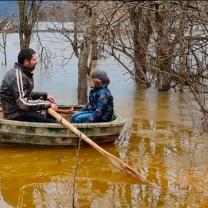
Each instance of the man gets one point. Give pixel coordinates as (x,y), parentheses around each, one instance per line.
(17,99)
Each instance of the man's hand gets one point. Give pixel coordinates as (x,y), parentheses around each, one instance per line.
(53,102)
(54,106)
(51,99)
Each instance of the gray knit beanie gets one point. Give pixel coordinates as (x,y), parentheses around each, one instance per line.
(102,75)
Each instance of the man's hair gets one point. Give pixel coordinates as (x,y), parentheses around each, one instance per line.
(25,53)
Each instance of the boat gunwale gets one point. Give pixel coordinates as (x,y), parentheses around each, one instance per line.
(119,121)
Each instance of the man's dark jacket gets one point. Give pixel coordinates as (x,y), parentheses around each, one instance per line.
(16,93)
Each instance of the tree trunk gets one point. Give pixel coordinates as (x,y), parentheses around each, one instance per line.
(94,46)
(163,52)
(94,52)
(28,16)
(163,63)
(25,39)
(166,42)
(82,73)
(141,36)
(83,61)
(4,37)
(75,20)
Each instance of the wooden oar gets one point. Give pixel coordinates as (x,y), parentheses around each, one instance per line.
(114,160)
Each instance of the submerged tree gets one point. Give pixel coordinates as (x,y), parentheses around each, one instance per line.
(82,17)
(159,43)
(156,42)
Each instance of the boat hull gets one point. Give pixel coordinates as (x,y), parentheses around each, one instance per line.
(16,132)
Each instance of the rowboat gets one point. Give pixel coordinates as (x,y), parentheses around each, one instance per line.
(54,134)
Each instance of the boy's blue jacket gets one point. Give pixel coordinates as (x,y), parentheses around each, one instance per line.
(100,104)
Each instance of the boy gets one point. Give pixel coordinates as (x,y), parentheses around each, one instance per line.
(100,105)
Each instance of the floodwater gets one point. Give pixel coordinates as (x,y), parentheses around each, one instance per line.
(162,140)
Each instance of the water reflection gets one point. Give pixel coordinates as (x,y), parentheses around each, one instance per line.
(176,161)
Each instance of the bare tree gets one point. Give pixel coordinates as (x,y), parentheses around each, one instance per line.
(94,56)
(142,31)
(124,33)
(28,16)
(156,42)
(81,44)
(3,44)
(169,30)
(83,68)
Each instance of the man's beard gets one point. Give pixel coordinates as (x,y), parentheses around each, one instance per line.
(32,67)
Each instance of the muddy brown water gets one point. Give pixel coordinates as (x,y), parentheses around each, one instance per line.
(162,140)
